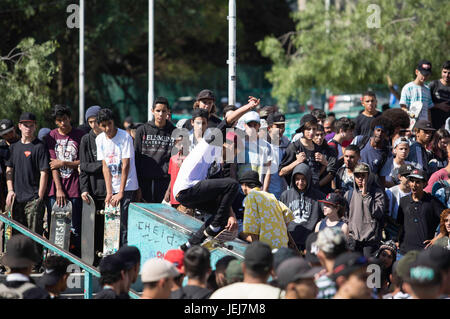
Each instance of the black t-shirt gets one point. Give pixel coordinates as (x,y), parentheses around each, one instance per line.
(28,160)
(191,292)
(106,294)
(362,124)
(439,92)
(419,220)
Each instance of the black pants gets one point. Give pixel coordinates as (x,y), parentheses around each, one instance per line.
(367,248)
(153,190)
(214,196)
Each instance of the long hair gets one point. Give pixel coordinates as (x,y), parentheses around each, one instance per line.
(213,107)
(444,215)
(438,135)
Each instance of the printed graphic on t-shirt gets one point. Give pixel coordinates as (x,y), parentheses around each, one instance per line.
(115,165)
(66,150)
(301,210)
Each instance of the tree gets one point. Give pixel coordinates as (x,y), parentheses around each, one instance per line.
(350,48)
(25,76)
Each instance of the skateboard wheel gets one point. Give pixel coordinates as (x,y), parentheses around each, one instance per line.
(100,254)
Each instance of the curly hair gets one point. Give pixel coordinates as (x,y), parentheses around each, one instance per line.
(398,117)
(444,215)
(385,122)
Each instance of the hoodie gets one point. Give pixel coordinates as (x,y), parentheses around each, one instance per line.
(304,205)
(153,147)
(366,214)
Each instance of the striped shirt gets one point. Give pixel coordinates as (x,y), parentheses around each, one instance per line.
(327,287)
(412,92)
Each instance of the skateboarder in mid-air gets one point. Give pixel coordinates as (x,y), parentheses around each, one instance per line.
(199,185)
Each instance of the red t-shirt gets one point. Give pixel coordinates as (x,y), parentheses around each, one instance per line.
(174,167)
(441,174)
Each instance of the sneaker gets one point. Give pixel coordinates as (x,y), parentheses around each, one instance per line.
(211,233)
(184,247)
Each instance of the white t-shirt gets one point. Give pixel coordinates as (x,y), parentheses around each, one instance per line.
(242,290)
(112,151)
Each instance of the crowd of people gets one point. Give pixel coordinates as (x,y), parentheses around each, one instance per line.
(316,208)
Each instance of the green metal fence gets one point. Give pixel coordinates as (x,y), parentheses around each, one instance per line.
(89,270)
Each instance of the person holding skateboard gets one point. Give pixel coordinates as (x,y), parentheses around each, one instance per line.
(199,185)
(63,144)
(115,150)
(27,186)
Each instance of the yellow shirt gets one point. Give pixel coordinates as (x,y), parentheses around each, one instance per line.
(267,217)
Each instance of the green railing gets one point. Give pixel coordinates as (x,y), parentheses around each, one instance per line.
(89,270)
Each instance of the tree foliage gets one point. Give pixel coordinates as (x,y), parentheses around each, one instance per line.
(25,76)
(339,49)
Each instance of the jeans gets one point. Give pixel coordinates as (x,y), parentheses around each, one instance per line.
(214,196)
(128,197)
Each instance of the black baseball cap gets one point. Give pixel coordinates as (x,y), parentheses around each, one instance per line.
(258,256)
(423,274)
(276,118)
(305,119)
(424,66)
(347,263)
(405,169)
(311,248)
(21,252)
(205,94)
(6,126)
(250,177)
(424,125)
(27,117)
(334,199)
(418,173)
(293,269)
(130,255)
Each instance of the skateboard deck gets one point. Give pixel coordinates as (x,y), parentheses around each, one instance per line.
(7,230)
(112,230)
(220,239)
(60,225)
(414,112)
(88,231)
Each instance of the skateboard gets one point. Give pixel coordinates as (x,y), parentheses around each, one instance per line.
(414,111)
(220,239)
(88,231)
(112,230)
(60,225)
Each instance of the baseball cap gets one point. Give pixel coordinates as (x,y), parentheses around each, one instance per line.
(205,94)
(418,173)
(305,119)
(347,263)
(258,256)
(111,264)
(424,66)
(276,118)
(311,248)
(55,268)
(331,240)
(6,126)
(281,254)
(27,117)
(436,256)
(176,257)
(424,125)
(155,269)
(130,255)
(334,199)
(401,140)
(251,116)
(293,269)
(405,263)
(361,168)
(234,271)
(21,252)
(405,169)
(424,274)
(250,177)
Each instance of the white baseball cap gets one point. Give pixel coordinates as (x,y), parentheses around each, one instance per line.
(156,268)
(251,116)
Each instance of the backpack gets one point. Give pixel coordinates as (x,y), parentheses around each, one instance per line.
(441,190)
(15,293)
